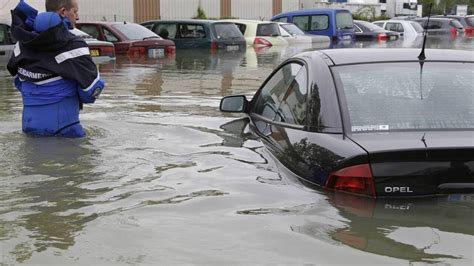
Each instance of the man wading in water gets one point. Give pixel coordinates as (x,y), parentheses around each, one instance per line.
(52,69)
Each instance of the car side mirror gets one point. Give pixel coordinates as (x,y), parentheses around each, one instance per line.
(234,104)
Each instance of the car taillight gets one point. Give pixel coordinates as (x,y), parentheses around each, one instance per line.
(109,51)
(261,42)
(355,179)
(170,49)
(382,37)
(213,46)
(453,31)
(135,51)
(468,30)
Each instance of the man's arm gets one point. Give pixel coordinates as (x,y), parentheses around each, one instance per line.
(76,64)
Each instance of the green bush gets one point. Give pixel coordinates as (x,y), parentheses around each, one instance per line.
(200,14)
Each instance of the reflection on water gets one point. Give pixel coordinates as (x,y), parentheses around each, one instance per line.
(163,176)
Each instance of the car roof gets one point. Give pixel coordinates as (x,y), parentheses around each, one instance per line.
(372,55)
(202,21)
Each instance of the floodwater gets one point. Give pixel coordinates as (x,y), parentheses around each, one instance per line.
(164,177)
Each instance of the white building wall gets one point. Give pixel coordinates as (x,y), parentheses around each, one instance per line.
(290,5)
(252,9)
(105,10)
(7,5)
(185,9)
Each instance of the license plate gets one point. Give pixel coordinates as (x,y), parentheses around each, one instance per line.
(232,47)
(393,38)
(156,52)
(94,52)
(461,197)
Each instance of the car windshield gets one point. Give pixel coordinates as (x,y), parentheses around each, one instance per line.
(344,20)
(418,28)
(292,29)
(393,96)
(134,31)
(268,29)
(227,31)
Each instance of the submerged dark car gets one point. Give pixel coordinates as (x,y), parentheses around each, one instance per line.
(196,33)
(366,31)
(372,122)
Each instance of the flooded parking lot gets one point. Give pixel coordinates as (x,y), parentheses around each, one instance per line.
(163,176)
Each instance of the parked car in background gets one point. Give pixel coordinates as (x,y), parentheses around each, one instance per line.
(6,43)
(259,33)
(366,31)
(98,49)
(406,28)
(193,33)
(329,121)
(129,38)
(466,21)
(336,23)
(442,26)
(293,34)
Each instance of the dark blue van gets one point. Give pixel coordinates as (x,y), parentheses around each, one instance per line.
(335,23)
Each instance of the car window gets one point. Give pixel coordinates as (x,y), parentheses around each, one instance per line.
(320,22)
(148,26)
(268,29)
(273,92)
(90,30)
(282,19)
(418,28)
(191,31)
(439,98)
(393,26)
(356,28)
(456,24)
(344,20)
(134,31)
(301,22)
(109,36)
(166,30)
(242,27)
(226,30)
(292,108)
(3,34)
(470,21)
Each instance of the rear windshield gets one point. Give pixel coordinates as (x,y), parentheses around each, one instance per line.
(470,21)
(456,24)
(393,96)
(292,29)
(270,29)
(227,31)
(418,28)
(344,20)
(134,31)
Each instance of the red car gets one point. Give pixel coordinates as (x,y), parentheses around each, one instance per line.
(129,38)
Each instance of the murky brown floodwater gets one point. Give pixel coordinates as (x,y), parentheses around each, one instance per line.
(159,180)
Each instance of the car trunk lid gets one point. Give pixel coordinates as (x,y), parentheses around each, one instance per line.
(418,163)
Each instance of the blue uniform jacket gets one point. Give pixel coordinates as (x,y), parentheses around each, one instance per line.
(50,69)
